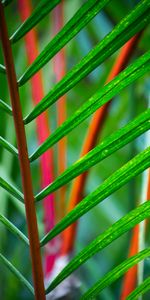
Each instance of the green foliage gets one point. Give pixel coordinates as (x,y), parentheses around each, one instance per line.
(113,232)
(130,25)
(43,8)
(109,145)
(113,275)
(6,2)
(11,189)
(13,229)
(77,22)
(140,290)
(138,164)
(8,146)
(114,138)
(5,107)
(2,69)
(126,77)
(19,276)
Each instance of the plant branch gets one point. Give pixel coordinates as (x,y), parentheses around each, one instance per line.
(24,162)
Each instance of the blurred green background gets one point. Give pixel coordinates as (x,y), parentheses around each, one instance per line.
(127,105)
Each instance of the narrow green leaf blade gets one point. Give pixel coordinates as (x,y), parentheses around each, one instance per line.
(126,77)
(107,237)
(140,290)
(42,9)
(13,229)
(6,2)
(19,276)
(11,189)
(134,167)
(4,106)
(2,69)
(8,146)
(109,145)
(82,17)
(116,273)
(129,26)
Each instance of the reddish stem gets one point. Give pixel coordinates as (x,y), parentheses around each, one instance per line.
(43,131)
(94,131)
(130,277)
(24,162)
(59,63)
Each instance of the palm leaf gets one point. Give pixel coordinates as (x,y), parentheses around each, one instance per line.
(134,167)
(140,290)
(2,69)
(112,233)
(11,189)
(12,228)
(8,146)
(109,145)
(42,9)
(19,276)
(133,23)
(6,2)
(5,107)
(126,77)
(77,22)
(116,273)
(129,26)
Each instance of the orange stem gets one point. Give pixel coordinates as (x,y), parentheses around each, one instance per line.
(59,63)
(130,277)
(43,131)
(94,130)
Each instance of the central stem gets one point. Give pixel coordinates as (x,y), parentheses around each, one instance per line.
(24,162)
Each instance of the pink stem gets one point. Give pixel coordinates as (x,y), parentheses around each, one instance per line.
(43,131)
(59,63)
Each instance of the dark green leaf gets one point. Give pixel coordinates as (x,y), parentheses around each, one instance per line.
(11,227)
(2,69)
(4,106)
(8,146)
(129,26)
(109,145)
(83,16)
(11,189)
(42,9)
(126,77)
(6,2)
(134,167)
(140,290)
(116,273)
(112,233)
(20,277)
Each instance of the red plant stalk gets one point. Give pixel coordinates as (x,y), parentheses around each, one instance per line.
(59,63)
(130,278)
(94,131)
(24,162)
(43,131)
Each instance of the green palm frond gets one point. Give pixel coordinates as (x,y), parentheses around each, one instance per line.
(135,21)
(140,290)
(19,276)
(117,272)
(113,232)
